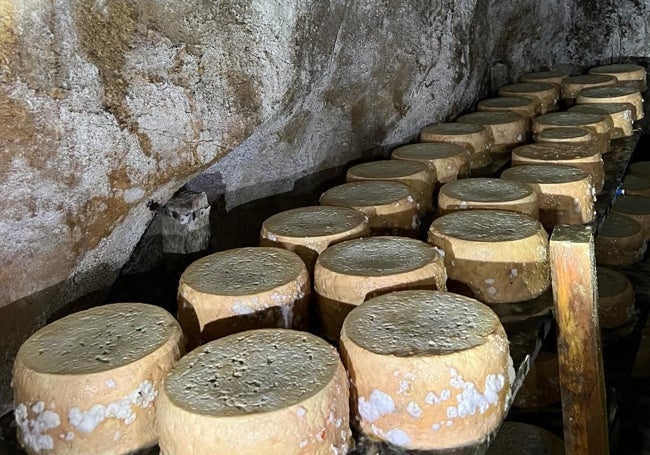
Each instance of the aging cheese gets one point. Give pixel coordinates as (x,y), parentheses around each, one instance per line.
(507,128)
(640,169)
(572,85)
(546,93)
(307,231)
(526,107)
(516,438)
(391,207)
(637,208)
(417,175)
(271,391)
(448,161)
(620,241)
(87,383)
(620,115)
(242,289)
(615,298)
(565,194)
(636,185)
(616,94)
(488,194)
(428,370)
(626,74)
(552,77)
(587,159)
(492,255)
(348,273)
(599,125)
(476,138)
(571,135)
(542,384)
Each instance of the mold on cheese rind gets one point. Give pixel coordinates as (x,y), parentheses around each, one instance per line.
(487,225)
(313,222)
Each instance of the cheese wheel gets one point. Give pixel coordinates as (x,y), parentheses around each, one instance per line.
(270,391)
(615,298)
(448,161)
(348,273)
(620,241)
(615,94)
(488,194)
(390,206)
(476,138)
(552,77)
(640,169)
(492,255)
(87,383)
(571,135)
(507,128)
(526,107)
(428,370)
(565,194)
(307,231)
(542,384)
(416,175)
(626,74)
(587,159)
(633,184)
(546,93)
(242,289)
(572,85)
(620,115)
(516,438)
(636,207)
(599,125)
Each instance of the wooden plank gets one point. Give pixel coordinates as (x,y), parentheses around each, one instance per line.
(573,273)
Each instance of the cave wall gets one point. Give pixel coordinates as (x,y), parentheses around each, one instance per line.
(109,105)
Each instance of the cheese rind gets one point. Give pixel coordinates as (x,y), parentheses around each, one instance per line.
(639,186)
(620,241)
(615,298)
(599,125)
(572,85)
(507,128)
(626,74)
(546,93)
(614,94)
(476,138)
(551,77)
(571,135)
(526,107)
(449,161)
(637,208)
(620,115)
(516,438)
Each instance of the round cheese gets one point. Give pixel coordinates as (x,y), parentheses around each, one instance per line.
(572,85)
(307,231)
(620,115)
(448,161)
(475,137)
(615,94)
(615,298)
(507,128)
(620,241)
(526,107)
(390,206)
(636,207)
(494,256)
(87,383)
(626,74)
(565,194)
(640,169)
(516,438)
(263,391)
(588,159)
(242,289)
(599,125)
(541,387)
(571,135)
(417,175)
(546,93)
(552,77)
(429,370)
(348,273)
(488,194)
(633,184)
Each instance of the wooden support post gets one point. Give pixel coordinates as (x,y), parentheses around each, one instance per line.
(573,273)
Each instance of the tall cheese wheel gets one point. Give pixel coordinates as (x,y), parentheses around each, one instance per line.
(271,391)
(637,208)
(552,77)
(633,184)
(417,175)
(391,207)
(350,272)
(507,128)
(542,384)
(546,93)
(624,95)
(572,85)
(489,194)
(492,255)
(565,194)
(615,298)
(449,161)
(526,107)
(576,135)
(516,438)
(620,115)
(626,74)
(476,138)
(242,289)
(588,159)
(307,231)
(640,169)
(88,382)
(429,370)
(599,125)
(620,241)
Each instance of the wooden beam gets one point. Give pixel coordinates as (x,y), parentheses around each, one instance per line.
(573,274)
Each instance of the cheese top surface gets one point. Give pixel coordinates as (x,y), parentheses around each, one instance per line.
(634,182)
(366,194)
(252,372)
(453,129)
(544,75)
(490,118)
(610,282)
(608,92)
(420,323)
(544,173)
(243,271)
(486,190)
(616,225)
(528,87)
(389,169)
(99,339)
(633,205)
(587,79)
(601,108)
(549,151)
(507,102)
(552,134)
(314,221)
(617,68)
(486,225)
(378,256)
(568,119)
(429,151)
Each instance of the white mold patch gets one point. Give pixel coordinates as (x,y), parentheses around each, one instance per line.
(33,430)
(415,222)
(271,237)
(240,308)
(491,290)
(301,411)
(462,205)
(513,273)
(471,400)
(303,443)
(379,404)
(431,398)
(435,426)
(110,384)
(414,410)
(490,281)
(410,199)
(398,437)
